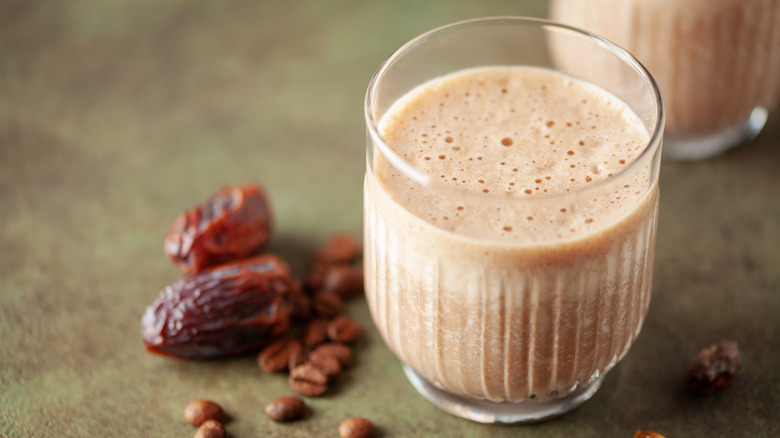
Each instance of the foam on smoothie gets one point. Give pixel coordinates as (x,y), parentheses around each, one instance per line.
(511,131)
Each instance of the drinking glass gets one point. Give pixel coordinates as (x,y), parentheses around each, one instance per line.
(717,63)
(522,328)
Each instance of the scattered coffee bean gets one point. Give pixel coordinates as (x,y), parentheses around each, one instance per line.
(316,332)
(198,411)
(357,428)
(327,304)
(341,248)
(301,310)
(647,434)
(340,351)
(276,356)
(316,276)
(342,329)
(714,367)
(328,364)
(286,408)
(298,356)
(308,380)
(211,429)
(343,280)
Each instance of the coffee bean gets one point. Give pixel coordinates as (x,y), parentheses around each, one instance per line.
(357,428)
(198,411)
(298,356)
(343,329)
(286,408)
(341,248)
(316,275)
(647,434)
(316,332)
(276,356)
(211,429)
(714,367)
(301,310)
(328,364)
(340,351)
(343,280)
(308,380)
(327,304)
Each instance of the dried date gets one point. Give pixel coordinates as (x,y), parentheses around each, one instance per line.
(714,367)
(233,223)
(224,310)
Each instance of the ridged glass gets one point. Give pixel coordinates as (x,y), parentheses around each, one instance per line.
(516,330)
(717,62)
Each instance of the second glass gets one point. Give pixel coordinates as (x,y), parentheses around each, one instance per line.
(717,63)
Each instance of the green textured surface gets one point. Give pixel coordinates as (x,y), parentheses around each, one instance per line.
(116,115)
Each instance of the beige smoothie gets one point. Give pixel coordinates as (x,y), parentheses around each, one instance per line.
(516,263)
(714,60)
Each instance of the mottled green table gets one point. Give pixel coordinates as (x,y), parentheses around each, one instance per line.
(115,116)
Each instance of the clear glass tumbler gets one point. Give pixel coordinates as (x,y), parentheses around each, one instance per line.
(717,63)
(515,323)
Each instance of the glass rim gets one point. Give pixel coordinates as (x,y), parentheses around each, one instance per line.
(428,181)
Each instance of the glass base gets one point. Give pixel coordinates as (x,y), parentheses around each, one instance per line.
(700,148)
(482,411)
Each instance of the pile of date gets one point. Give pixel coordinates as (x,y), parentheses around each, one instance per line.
(234,299)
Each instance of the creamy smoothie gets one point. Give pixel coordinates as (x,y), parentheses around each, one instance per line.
(715,60)
(516,263)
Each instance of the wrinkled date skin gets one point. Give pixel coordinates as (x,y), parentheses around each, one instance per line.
(714,367)
(233,223)
(228,309)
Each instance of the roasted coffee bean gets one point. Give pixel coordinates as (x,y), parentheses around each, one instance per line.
(211,429)
(342,329)
(227,309)
(327,305)
(647,434)
(316,275)
(308,380)
(714,367)
(276,356)
(286,408)
(302,307)
(343,280)
(357,428)
(316,332)
(327,363)
(198,411)
(341,352)
(298,356)
(341,248)
(232,224)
